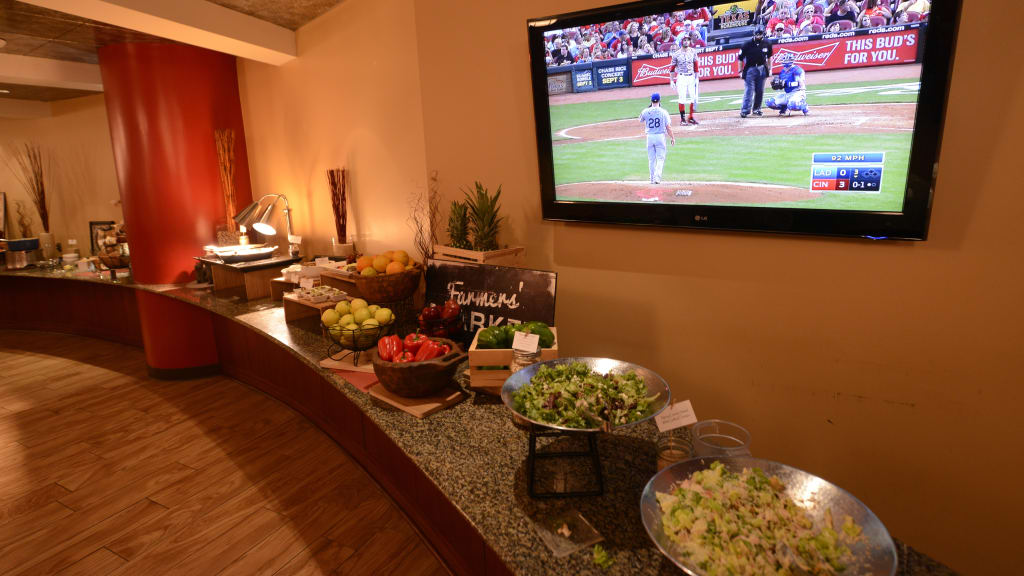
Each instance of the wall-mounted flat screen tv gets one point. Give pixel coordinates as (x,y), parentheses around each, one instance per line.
(803,116)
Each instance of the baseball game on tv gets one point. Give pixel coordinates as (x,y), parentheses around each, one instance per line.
(800,104)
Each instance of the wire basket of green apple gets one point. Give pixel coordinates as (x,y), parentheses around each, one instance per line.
(356,326)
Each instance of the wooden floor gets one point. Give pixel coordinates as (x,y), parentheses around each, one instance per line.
(105,471)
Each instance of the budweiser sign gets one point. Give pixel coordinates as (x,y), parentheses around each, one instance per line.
(817,56)
(647,71)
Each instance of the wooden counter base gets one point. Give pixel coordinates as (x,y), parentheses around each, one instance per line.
(109,312)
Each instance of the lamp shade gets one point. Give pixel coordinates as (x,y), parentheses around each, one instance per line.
(247,215)
(264,226)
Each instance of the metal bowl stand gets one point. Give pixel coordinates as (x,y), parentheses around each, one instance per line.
(536,432)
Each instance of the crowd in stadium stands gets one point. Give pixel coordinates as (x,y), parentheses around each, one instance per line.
(782,19)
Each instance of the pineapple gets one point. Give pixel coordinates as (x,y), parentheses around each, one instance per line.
(458,226)
(483,217)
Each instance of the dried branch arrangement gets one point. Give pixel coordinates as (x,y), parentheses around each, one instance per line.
(434,206)
(419,222)
(337,180)
(225,141)
(24,222)
(28,169)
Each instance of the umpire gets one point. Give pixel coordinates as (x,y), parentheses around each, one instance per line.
(755,54)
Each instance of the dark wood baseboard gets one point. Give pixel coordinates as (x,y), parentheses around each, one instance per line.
(190,373)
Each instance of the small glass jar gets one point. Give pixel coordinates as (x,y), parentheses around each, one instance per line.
(673,446)
(522,359)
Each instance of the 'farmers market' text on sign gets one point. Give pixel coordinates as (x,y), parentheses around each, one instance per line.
(493,295)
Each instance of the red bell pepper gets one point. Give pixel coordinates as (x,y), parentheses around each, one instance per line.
(445,349)
(414,341)
(429,351)
(405,356)
(389,348)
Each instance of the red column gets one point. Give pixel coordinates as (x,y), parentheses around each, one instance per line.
(164,102)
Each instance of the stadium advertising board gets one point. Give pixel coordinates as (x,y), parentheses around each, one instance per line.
(583,79)
(824,52)
(612,74)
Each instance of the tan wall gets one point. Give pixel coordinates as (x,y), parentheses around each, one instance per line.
(342,103)
(82,183)
(893,369)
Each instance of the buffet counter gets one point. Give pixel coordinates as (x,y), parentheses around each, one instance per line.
(459,474)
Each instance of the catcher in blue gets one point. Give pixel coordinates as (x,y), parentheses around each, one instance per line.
(794,89)
(657,123)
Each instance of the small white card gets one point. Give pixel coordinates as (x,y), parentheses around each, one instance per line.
(676,416)
(322,262)
(306,283)
(526,342)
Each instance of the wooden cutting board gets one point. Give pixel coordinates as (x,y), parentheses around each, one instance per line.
(419,407)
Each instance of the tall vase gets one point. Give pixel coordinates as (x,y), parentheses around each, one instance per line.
(47,246)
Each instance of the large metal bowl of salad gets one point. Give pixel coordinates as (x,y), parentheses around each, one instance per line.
(585,394)
(742,515)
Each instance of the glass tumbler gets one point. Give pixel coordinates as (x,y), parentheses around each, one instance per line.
(713,438)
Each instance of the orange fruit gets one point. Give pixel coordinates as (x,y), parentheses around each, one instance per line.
(390,254)
(395,268)
(363,262)
(381,263)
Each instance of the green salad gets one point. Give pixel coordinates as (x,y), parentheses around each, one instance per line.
(573,396)
(743,524)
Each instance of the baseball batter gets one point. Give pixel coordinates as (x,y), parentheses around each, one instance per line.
(794,95)
(683,74)
(657,123)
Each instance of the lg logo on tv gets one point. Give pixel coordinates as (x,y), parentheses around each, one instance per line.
(700,219)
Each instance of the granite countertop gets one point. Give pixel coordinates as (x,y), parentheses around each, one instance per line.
(476,457)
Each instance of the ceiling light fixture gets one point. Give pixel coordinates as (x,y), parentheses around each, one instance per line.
(4,91)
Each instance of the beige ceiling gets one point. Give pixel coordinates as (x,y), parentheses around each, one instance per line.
(291,14)
(39,32)
(40,93)
(33,31)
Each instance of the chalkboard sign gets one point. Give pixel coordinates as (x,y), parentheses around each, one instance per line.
(493,295)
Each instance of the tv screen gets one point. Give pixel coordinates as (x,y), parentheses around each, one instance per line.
(809,116)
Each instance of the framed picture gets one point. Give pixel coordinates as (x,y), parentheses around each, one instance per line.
(94,226)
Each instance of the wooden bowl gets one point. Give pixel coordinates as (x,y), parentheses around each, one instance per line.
(418,379)
(389,287)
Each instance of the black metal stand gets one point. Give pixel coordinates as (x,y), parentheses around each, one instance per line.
(591,452)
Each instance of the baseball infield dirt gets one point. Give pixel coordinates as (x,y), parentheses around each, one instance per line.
(683,192)
(847,119)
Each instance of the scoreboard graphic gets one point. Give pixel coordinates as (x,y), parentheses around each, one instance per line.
(847,172)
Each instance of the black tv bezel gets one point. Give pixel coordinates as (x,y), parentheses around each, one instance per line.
(910,224)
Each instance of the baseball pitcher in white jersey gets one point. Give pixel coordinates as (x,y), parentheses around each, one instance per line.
(683,74)
(656,123)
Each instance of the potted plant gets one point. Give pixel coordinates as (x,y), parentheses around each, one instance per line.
(473,227)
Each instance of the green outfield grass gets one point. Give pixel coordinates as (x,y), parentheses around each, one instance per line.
(782,160)
(567,115)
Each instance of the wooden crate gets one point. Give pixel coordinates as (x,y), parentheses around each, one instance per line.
(297,309)
(511,256)
(490,381)
(278,287)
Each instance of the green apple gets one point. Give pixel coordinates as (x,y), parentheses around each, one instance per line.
(369,271)
(352,327)
(346,320)
(373,308)
(357,304)
(330,317)
(361,315)
(370,323)
(342,308)
(384,316)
